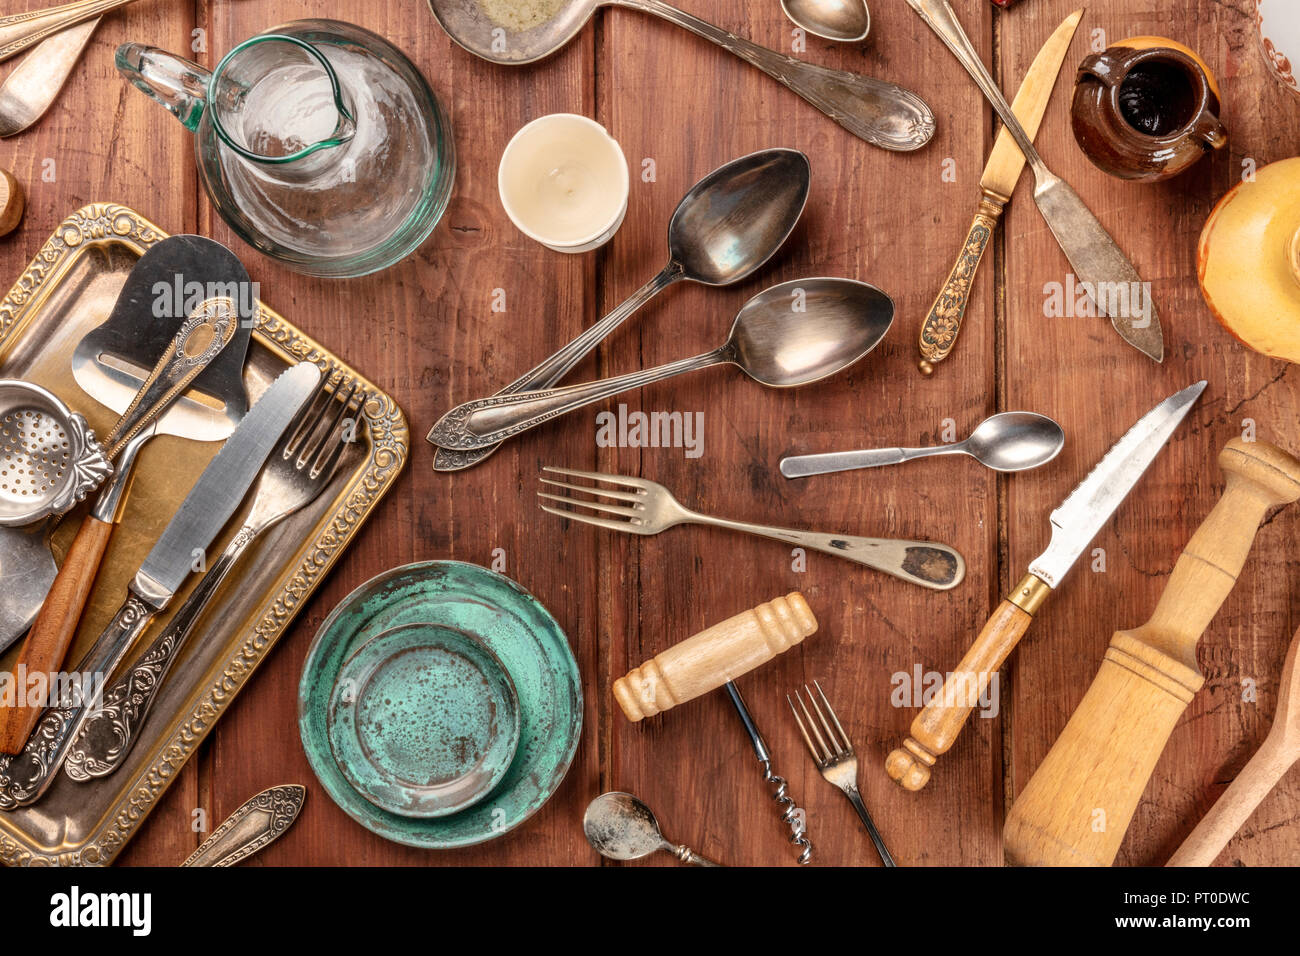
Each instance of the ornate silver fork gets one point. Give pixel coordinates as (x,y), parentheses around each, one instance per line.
(295,474)
(650,508)
(834,757)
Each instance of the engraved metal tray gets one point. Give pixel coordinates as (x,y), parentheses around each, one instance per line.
(68,289)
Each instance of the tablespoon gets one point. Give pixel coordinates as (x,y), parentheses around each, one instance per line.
(846,21)
(33,84)
(1010,441)
(621,827)
(791,334)
(509,32)
(727,226)
(18,31)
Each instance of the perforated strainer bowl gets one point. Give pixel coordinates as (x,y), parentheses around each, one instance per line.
(49,459)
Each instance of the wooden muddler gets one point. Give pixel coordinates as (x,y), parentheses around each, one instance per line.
(714,656)
(1077,806)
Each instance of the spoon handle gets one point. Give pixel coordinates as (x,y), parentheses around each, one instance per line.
(488,421)
(687,855)
(562,362)
(801,466)
(884,114)
(18,31)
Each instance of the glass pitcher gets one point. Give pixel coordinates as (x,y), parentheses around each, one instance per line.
(319,142)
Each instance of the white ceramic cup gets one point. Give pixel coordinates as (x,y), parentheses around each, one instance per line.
(1278,23)
(564,182)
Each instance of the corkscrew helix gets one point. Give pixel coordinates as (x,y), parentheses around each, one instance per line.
(791,815)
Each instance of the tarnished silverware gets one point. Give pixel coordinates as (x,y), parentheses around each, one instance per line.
(724,229)
(259,822)
(1101,267)
(833,754)
(295,474)
(18,31)
(621,827)
(649,508)
(845,21)
(35,83)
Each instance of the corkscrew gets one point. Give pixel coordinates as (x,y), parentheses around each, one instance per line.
(791,815)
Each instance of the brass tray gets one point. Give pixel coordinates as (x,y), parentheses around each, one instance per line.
(68,289)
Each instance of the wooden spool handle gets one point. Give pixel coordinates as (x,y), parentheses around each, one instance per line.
(1276,755)
(1078,804)
(714,656)
(55,626)
(12,202)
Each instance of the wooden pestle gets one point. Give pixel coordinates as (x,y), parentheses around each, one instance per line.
(714,656)
(1078,804)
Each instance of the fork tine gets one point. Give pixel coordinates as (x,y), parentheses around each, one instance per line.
(631,513)
(848,744)
(293,432)
(608,493)
(829,753)
(802,731)
(332,455)
(597,476)
(836,747)
(611,523)
(331,433)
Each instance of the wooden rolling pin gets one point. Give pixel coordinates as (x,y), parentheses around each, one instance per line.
(1275,756)
(714,656)
(1078,804)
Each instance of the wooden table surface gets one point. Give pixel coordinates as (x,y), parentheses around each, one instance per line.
(426,331)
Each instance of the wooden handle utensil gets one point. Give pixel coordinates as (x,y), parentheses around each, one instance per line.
(714,656)
(1276,755)
(1078,804)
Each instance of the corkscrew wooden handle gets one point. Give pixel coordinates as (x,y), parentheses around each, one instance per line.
(1078,804)
(714,656)
(941,326)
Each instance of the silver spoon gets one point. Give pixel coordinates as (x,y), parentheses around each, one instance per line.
(791,334)
(621,827)
(846,21)
(1010,441)
(34,83)
(729,224)
(509,32)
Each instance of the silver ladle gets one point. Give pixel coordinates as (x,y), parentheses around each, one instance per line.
(729,224)
(1010,441)
(621,827)
(884,114)
(845,21)
(791,334)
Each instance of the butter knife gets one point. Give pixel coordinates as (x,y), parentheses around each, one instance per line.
(1075,523)
(259,822)
(998,182)
(1102,269)
(201,516)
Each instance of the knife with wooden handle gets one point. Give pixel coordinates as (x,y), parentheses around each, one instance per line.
(998,182)
(1074,524)
(1077,806)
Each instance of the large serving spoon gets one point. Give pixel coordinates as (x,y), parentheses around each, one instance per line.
(791,334)
(1010,441)
(509,32)
(845,21)
(621,827)
(729,224)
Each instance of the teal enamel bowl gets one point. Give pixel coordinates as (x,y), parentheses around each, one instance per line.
(506,620)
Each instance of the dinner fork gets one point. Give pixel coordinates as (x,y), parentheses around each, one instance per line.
(294,475)
(650,508)
(834,757)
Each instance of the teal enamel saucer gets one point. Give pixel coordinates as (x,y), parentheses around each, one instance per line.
(506,620)
(423,720)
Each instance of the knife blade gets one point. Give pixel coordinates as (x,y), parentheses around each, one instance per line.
(997,182)
(1074,524)
(260,821)
(201,516)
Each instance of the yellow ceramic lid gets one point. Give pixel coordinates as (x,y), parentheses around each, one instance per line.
(1248,261)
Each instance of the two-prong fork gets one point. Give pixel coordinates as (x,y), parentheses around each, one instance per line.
(293,476)
(834,757)
(648,508)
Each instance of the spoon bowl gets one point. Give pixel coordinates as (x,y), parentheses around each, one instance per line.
(621,827)
(845,21)
(1015,441)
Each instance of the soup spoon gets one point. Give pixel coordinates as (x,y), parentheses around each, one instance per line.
(729,224)
(846,21)
(791,334)
(1010,441)
(508,32)
(621,827)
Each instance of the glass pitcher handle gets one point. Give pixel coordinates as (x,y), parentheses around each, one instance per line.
(173,81)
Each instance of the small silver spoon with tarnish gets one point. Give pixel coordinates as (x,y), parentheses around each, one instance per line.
(791,334)
(1010,441)
(724,229)
(845,21)
(621,827)
(258,822)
